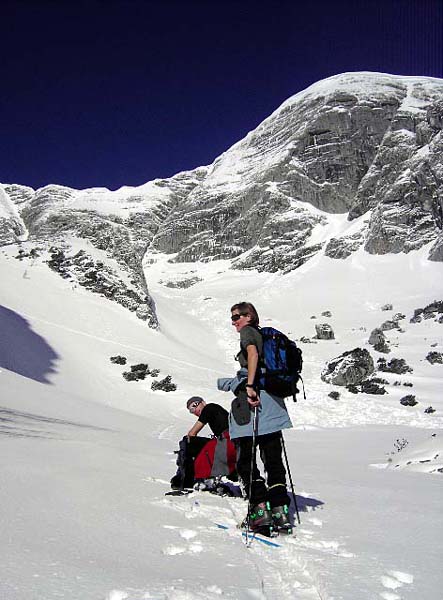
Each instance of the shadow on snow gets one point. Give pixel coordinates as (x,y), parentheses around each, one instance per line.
(22,350)
(303,504)
(15,423)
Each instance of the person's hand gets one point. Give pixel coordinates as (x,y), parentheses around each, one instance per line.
(253,397)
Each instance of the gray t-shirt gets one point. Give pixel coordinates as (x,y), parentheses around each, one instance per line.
(249,336)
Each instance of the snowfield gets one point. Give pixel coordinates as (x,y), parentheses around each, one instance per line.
(86,456)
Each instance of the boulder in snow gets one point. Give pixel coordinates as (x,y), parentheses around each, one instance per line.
(324,332)
(408,401)
(395,365)
(378,340)
(350,368)
(435,358)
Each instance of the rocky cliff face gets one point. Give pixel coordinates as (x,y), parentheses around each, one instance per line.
(12,227)
(354,161)
(358,143)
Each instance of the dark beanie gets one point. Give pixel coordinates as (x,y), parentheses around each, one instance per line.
(192,400)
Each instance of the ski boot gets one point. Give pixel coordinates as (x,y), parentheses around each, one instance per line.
(260,519)
(280,519)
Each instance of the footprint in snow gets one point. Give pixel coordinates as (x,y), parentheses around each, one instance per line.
(316,522)
(117,595)
(390,596)
(173,550)
(185,534)
(214,589)
(331,547)
(188,534)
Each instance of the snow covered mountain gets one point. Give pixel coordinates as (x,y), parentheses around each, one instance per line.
(366,146)
(86,455)
(325,217)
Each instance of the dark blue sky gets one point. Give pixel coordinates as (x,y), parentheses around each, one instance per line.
(112,93)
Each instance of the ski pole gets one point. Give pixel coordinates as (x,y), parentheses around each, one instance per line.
(253,449)
(290,477)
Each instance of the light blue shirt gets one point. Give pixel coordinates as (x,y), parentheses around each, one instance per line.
(272,414)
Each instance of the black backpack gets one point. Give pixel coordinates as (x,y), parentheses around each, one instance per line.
(281,364)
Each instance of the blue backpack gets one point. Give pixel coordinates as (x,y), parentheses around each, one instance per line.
(281,364)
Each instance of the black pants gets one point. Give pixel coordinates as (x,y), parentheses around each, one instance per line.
(270,446)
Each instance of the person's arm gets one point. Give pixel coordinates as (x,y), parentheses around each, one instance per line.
(253,398)
(194,430)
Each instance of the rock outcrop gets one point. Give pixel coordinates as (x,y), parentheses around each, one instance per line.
(324,332)
(350,368)
(435,358)
(395,365)
(378,340)
(366,146)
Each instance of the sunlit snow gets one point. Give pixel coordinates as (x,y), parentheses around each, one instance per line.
(86,456)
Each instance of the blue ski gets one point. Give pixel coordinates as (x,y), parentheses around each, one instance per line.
(253,536)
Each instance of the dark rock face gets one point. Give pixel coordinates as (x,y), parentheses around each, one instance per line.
(398,317)
(378,340)
(343,247)
(434,115)
(388,325)
(306,340)
(435,358)
(431,311)
(387,307)
(118,360)
(370,386)
(350,368)
(182,283)
(164,385)
(12,227)
(324,332)
(436,252)
(101,279)
(408,401)
(138,372)
(395,365)
(333,147)
(406,196)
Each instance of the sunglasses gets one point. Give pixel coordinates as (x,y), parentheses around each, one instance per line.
(194,406)
(235,318)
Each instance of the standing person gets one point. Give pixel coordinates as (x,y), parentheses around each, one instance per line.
(268,504)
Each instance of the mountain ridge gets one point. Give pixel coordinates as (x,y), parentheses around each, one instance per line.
(365,145)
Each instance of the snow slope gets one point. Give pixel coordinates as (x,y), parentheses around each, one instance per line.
(86,456)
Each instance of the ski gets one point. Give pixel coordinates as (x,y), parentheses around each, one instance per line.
(252,536)
(179,493)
